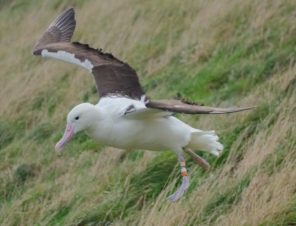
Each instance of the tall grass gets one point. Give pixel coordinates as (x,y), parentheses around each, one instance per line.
(221,53)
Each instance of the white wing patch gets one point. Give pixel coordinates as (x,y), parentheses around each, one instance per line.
(68,57)
(146,113)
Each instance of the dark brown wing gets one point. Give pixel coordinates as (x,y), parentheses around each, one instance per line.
(119,80)
(61,30)
(112,76)
(178,106)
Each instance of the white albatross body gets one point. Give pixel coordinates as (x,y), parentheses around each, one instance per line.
(124,118)
(150,131)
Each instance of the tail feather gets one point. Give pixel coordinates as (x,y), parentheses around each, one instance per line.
(205,141)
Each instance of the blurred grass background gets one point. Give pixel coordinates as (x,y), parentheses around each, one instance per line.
(216,52)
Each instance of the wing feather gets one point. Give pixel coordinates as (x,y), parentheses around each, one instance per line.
(178,106)
(61,30)
(112,76)
(146,113)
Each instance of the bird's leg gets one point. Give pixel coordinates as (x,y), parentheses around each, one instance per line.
(199,160)
(185,180)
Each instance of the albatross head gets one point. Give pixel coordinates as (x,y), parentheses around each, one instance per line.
(81,117)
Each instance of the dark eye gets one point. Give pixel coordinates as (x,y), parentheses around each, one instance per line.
(77,117)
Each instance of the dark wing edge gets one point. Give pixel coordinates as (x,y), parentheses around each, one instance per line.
(113,77)
(61,30)
(181,107)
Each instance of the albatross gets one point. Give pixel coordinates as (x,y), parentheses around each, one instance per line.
(124,117)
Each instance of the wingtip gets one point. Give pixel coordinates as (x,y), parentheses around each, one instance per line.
(60,30)
(69,8)
(248,108)
(232,110)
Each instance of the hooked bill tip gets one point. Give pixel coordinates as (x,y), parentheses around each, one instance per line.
(58,149)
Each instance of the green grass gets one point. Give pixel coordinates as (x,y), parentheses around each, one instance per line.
(235,53)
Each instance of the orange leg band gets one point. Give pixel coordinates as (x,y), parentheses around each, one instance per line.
(184,173)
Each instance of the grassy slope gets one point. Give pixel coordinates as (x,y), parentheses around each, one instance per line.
(223,52)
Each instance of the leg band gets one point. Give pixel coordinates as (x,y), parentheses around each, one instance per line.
(184,171)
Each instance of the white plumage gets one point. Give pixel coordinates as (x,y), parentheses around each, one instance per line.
(108,124)
(124,118)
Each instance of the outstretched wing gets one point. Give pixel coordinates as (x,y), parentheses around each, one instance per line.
(112,76)
(178,106)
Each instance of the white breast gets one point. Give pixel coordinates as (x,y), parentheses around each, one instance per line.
(155,134)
